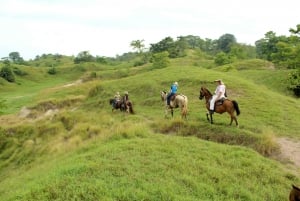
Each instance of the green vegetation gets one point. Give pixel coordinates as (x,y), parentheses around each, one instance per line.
(60,140)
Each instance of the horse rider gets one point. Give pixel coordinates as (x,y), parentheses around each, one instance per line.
(219,94)
(126,96)
(117,98)
(173,91)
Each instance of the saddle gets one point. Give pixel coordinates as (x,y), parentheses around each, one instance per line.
(220,101)
(173,97)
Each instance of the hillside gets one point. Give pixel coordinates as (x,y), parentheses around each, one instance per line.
(59,139)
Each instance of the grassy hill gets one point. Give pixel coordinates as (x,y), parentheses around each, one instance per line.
(67,144)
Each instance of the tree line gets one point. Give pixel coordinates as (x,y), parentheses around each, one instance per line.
(283,51)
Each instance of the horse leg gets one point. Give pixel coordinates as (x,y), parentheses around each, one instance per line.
(231,119)
(172,112)
(166,111)
(211,118)
(236,122)
(207,116)
(183,114)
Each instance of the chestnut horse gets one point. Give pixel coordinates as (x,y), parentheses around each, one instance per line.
(295,194)
(176,101)
(228,106)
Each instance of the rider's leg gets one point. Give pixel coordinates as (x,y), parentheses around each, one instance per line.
(168,98)
(212,104)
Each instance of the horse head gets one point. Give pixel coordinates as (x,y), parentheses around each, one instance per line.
(295,193)
(163,95)
(204,92)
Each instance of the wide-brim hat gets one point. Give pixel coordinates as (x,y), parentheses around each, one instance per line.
(219,80)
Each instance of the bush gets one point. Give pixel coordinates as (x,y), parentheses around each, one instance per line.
(294,82)
(161,60)
(19,72)
(222,59)
(7,74)
(52,71)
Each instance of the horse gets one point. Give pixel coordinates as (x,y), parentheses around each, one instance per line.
(295,193)
(228,106)
(128,104)
(117,105)
(178,100)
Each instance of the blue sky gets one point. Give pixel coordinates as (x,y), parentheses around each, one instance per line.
(106,28)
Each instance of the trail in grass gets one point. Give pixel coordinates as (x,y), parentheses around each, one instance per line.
(290,150)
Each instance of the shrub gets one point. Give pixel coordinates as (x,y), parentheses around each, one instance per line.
(161,60)
(52,71)
(294,82)
(7,73)
(19,72)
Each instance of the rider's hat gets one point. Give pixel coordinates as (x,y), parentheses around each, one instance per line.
(176,83)
(219,80)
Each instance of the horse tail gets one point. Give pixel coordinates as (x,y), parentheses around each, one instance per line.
(236,107)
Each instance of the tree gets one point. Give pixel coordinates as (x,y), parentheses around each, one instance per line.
(163,45)
(178,48)
(294,80)
(267,46)
(16,58)
(225,42)
(83,56)
(295,31)
(241,51)
(138,45)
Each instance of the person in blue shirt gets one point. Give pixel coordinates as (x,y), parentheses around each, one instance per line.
(173,91)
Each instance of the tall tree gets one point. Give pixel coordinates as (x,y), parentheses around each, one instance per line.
(138,45)
(225,42)
(83,56)
(15,57)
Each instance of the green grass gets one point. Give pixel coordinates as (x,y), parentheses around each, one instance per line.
(72,147)
(152,167)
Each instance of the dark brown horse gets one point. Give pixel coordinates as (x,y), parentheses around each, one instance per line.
(228,106)
(128,104)
(295,193)
(117,105)
(125,105)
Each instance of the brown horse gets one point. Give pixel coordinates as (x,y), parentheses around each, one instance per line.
(176,101)
(117,105)
(295,193)
(228,106)
(128,104)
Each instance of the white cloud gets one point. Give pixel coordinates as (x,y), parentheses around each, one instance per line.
(106,28)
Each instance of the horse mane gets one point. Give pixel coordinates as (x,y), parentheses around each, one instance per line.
(204,88)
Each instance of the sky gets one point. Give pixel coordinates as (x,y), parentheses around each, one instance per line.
(106,28)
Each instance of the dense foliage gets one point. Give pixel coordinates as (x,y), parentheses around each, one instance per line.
(7,73)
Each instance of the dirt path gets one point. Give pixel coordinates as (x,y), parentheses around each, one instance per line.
(290,151)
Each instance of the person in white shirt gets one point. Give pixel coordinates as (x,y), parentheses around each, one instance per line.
(219,93)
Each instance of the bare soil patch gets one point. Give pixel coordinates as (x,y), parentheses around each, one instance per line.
(290,151)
